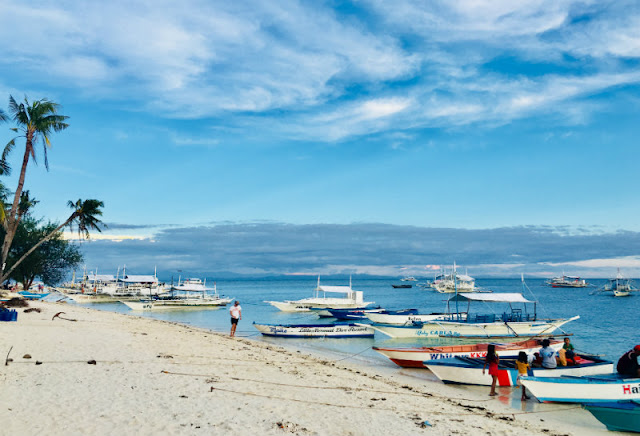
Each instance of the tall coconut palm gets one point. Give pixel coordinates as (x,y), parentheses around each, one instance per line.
(36,122)
(4,170)
(85,217)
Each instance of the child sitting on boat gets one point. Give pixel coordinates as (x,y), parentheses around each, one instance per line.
(523,367)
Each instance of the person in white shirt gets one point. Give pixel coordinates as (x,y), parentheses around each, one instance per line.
(548,355)
(236,315)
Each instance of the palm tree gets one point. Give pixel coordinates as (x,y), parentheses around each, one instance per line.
(4,170)
(85,217)
(36,121)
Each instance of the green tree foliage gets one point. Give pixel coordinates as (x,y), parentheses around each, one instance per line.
(50,262)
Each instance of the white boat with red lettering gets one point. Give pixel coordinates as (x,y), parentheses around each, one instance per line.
(337,330)
(414,357)
(469,371)
(588,389)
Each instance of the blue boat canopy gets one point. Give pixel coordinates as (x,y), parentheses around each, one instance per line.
(512,297)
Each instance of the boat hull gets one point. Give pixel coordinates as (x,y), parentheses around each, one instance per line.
(436,329)
(307,306)
(605,388)
(404,319)
(470,371)
(178,304)
(414,357)
(621,416)
(315,330)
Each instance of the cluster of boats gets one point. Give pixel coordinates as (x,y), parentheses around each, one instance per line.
(588,379)
(144,292)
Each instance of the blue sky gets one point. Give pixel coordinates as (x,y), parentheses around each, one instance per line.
(469,115)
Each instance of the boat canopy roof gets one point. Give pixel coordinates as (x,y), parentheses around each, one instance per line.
(465,278)
(139,279)
(336,289)
(101,278)
(512,297)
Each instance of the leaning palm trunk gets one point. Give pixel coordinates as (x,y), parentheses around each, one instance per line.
(12,220)
(6,275)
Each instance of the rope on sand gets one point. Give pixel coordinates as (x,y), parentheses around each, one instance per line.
(341,388)
(486,412)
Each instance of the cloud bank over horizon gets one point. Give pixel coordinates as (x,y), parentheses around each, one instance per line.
(265,249)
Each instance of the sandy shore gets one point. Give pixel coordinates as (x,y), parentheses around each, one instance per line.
(152,378)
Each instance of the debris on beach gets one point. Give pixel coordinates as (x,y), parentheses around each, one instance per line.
(16,302)
(32,309)
(92,362)
(27,356)
(57,315)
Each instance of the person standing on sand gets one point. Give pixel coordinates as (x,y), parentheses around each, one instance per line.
(236,315)
(492,360)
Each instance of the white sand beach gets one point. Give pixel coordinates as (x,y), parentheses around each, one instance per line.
(153,378)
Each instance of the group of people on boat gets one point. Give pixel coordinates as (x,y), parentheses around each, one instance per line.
(546,357)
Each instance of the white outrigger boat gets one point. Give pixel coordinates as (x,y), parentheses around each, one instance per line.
(513,324)
(351,300)
(587,389)
(406,318)
(619,286)
(469,371)
(184,300)
(449,283)
(337,330)
(414,357)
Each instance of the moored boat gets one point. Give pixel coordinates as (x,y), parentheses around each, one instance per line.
(350,300)
(467,370)
(338,330)
(601,388)
(517,323)
(347,314)
(617,416)
(402,286)
(567,282)
(404,317)
(414,357)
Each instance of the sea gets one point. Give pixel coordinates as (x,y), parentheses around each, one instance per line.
(608,326)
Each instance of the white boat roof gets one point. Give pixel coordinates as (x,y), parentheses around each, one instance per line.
(506,297)
(465,278)
(139,279)
(101,278)
(336,289)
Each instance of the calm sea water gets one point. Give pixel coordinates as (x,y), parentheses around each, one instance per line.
(607,325)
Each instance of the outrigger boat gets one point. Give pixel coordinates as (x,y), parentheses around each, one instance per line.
(414,357)
(315,330)
(596,388)
(403,318)
(618,416)
(351,300)
(513,324)
(182,301)
(469,371)
(567,282)
(349,314)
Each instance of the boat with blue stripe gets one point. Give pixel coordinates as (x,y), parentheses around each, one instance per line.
(618,416)
(610,387)
(467,370)
(337,330)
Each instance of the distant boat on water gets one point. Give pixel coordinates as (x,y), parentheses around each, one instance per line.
(567,282)
(402,286)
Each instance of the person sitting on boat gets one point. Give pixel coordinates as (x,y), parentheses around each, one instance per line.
(523,368)
(629,363)
(548,355)
(568,346)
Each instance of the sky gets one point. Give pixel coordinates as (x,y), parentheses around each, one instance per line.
(250,137)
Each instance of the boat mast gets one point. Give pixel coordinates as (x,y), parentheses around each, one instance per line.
(455,286)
